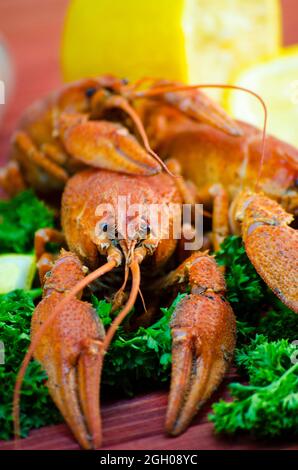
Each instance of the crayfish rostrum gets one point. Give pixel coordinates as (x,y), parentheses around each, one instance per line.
(155,143)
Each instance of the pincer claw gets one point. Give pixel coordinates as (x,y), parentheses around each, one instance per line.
(107,145)
(70,350)
(270,243)
(203,332)
(73,361)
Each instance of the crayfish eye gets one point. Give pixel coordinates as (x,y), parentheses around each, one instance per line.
(104,227)
(90,92)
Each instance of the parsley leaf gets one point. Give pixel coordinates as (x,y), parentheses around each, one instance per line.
(268,406)
(279,321)
(256,307)
(245,288)
(139,358)
(20,218)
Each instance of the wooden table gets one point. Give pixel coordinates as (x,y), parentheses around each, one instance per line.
(138,423)
(32,29)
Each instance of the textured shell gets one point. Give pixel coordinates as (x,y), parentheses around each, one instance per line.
(208,156)
(88,189)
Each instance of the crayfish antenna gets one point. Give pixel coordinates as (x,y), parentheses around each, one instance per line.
(136,279)
(201,108)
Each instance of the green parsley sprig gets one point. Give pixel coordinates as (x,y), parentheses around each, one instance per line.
(20,218)
(140,358)
(268,405)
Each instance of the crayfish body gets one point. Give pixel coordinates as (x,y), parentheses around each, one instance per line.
(99,140)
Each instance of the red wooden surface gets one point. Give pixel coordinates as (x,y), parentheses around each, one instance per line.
(32,29)
(139,424)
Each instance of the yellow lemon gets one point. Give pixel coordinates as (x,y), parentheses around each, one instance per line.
(194,41)
(16,272)
(276,81)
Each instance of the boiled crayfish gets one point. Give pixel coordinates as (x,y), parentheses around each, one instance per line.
(101,139)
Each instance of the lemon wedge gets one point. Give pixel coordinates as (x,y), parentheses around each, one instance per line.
(194,41)
(16,272)
(277,83)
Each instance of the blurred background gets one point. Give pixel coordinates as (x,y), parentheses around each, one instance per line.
(243,42)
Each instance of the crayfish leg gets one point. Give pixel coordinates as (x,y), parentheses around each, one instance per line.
(36,157)
(11,179)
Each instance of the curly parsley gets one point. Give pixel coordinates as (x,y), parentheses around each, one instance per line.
(20,218)
(245,288)
(268,405)
(138,357)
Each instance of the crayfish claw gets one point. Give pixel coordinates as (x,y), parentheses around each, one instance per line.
(64,394)
(203,331)
(89,373)
(72,358)
(270,243)
(199,107)
(105,145)
(70,350)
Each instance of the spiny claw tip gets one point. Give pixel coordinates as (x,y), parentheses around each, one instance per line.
(203,330)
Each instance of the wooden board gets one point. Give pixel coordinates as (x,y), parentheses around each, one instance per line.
(33,33)
(138,423)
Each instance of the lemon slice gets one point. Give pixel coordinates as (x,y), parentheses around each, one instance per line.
(194,41)
(277,82)
(16,272)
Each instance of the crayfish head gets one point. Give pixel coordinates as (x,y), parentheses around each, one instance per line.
(130,236)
